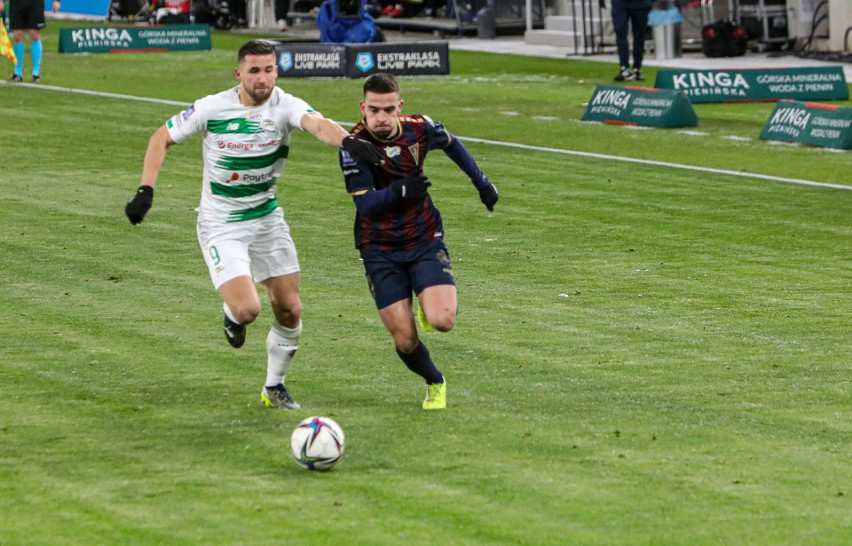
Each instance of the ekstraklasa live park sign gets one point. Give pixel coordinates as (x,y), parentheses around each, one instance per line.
(309,60)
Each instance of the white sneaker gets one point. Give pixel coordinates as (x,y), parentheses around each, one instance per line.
(625,75)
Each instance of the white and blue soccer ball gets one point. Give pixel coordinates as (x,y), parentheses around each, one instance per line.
(317,443)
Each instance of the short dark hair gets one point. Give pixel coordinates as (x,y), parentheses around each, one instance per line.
(255,47)
(381,83)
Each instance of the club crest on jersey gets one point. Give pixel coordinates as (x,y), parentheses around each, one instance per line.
(268,125)
(253,117)
(392,151)
(415,152)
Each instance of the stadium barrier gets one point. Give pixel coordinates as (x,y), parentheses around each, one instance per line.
(814,124)
(644,106)
(306,60)
(134,39)
(92,10)
(757,84)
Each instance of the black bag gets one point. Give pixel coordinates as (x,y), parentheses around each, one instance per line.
(724,39)
(174,19)
(305,6)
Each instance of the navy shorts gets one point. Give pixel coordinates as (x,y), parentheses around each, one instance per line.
(26,14)
(393,276)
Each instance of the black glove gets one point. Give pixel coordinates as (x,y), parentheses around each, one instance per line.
(361,150)
(412,186)
(602,4)
(488,196)
(139,205)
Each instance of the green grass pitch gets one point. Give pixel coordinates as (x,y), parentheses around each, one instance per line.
(644,354)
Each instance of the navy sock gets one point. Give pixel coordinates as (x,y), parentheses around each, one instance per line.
(421,363)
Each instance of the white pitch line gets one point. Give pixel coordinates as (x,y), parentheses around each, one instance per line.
(97,93)
(592,155)
(659,163)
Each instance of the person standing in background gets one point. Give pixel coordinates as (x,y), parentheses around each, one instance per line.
(27,15)
(239,13)
(281,9)
(627,16)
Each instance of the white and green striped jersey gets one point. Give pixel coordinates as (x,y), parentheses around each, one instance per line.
(244,148)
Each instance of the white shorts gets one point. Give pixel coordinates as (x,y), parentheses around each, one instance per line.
(259,248)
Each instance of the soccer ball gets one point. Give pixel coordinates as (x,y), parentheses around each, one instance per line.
(317,443)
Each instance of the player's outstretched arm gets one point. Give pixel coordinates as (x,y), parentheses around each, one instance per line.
(329,132)
(141,202)
(461,157)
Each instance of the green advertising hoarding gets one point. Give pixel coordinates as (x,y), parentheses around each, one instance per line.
(134,39)
(644,106)
(823,125)
(757,84)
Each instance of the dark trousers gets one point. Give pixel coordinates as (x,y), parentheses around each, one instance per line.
(281,9)
(637,19)
(238,9)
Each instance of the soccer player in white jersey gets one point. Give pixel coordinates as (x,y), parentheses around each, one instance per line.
(241,229)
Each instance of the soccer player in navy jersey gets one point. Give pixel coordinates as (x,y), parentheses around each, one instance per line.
(398,230)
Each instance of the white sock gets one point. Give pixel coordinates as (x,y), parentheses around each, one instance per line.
(228,312)
(281,345)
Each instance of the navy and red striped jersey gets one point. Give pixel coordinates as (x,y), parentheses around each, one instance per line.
(404,224)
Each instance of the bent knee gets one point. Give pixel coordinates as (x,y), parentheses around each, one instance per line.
(288,315)
(245,314)
(405,344)
(443,322)
(296,310)
(444,325)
